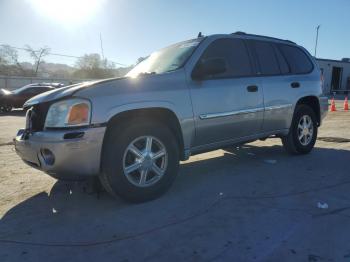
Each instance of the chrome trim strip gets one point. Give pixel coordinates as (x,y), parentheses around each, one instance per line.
(268,108)
(246,111)
(231,113)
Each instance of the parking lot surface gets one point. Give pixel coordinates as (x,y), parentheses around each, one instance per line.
(250,203)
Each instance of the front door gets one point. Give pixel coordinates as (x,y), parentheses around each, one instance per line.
(229,105)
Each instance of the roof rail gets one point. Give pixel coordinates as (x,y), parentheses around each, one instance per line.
(262,36)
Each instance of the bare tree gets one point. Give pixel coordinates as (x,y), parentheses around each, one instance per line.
(37,56)
(9,60)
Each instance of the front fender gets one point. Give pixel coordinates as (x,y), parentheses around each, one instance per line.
(186,123)
(113,111)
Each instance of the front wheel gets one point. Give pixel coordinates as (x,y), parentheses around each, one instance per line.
(140,160)
(303,131)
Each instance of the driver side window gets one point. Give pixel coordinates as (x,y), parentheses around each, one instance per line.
(234,52)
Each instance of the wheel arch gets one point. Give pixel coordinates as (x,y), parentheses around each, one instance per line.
(159,113)
(314,103)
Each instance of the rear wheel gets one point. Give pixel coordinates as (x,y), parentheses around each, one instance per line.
(140,160)
(303,131)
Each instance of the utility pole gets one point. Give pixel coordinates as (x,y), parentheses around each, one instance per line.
(317,28)
(102,53)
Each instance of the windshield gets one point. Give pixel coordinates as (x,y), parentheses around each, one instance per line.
(167,59)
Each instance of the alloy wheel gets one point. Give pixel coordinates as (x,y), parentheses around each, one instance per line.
(305,130)
(145,161)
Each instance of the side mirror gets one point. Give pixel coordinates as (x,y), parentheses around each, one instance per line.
(209,67)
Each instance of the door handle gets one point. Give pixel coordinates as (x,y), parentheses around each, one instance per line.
(252,88)
(295,85)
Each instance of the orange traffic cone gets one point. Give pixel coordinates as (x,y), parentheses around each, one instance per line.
(346,105)
(333,109)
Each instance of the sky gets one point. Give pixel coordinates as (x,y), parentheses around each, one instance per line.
(134,28)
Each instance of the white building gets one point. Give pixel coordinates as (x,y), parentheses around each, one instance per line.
(336,75)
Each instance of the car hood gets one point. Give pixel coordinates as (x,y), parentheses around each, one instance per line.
(62,92)
(4,92)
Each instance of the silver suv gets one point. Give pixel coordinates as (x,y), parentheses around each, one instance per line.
(195,96)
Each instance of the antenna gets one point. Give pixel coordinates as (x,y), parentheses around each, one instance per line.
(102,53)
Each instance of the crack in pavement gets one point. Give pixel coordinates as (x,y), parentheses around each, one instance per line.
(334,139)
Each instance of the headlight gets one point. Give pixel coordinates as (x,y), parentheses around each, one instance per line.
(69,113)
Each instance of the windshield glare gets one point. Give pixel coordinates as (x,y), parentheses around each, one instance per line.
(166,60)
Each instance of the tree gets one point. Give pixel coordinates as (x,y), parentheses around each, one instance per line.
(37,56)
(92,66)
(9,64)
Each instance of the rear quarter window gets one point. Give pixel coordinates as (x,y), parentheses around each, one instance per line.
(298,61)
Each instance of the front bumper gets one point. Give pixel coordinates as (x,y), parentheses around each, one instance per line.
(75,155)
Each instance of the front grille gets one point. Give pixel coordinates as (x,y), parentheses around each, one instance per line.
(36,116)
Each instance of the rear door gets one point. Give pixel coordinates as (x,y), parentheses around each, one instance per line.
(282,68)
(277,91)
(229,105)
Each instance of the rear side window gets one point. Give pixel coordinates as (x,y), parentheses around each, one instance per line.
(30,90)
(281,61)
(266,58)
(42,89)
(234,52)
(297,59)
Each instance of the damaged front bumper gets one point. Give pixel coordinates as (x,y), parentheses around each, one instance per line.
(63,154)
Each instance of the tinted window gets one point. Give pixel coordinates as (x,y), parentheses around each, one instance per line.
(35,90)
(298,61)
(234,52)
(42,89)
(266,58)
(29,90)
(281,61)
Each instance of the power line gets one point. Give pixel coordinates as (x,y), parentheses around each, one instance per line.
(53,54)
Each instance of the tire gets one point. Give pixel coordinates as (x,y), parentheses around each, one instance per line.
(291,142)
(5,109)
(8,109)
(117,152)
